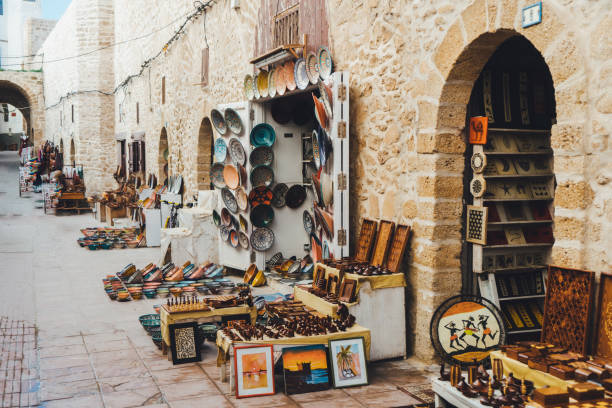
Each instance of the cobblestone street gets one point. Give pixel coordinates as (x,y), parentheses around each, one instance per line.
(64,344)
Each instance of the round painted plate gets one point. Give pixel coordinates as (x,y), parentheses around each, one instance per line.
(326,97)
(260,195)
(262,176)
(325,63)
(226,217)
(296,196)
(255,87)
(262,239)
(236,151)
(312,68)
(229,200)
(308,222)
(263,135)
(248,87)
(220,150)
(225,233)
(261,155)
(465,329)
(272,82)
(281,85)
(243,239)
(300,75)
(231,177)
(242,199)
(233,121)
(289,69)
(319,109)
(244,224)
(262,216)
(279,191)
(216,175)
(243,176)
(262,84)
(234,238)
(216,218)
(218,122)
(315,149)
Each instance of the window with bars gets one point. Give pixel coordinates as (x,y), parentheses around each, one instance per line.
(286,26)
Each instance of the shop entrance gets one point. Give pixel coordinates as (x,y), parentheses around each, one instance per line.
(510,182)
(205,155)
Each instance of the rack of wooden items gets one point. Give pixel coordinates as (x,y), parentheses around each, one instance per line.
(510,224)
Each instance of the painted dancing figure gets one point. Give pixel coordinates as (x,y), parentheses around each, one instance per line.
(469,330)
(486,331)
(452,327)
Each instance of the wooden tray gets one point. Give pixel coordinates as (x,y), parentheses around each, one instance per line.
(366,239)
(383,240)
(569,299)
(602,343)
(398,247)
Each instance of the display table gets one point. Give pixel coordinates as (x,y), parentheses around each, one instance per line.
(520,370)
(395,280)
(166,319)
(225,358)
(73,201)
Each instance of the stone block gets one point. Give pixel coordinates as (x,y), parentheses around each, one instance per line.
(451,116)
(566,228)
(574,195)
(456,92)
(450,48)
(567,137)
(567,256)
(440,210)
(427,114)
(442,256)
(440,186)
(475,20)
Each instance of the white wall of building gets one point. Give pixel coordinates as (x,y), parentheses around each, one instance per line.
(15,14)
(15,120)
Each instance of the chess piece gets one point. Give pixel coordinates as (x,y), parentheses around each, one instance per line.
(488,399)
(495,384)
(444,375)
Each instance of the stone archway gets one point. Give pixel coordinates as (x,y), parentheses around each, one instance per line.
(442,100)
(23,90)
(204,160)
(162,157)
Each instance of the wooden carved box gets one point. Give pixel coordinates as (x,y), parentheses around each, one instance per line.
(366,240)
(568,307)
(383,241)
(602,344)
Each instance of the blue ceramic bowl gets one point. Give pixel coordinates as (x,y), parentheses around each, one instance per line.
(92,247)
(263,135)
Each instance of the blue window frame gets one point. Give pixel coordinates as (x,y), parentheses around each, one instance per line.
(1,9)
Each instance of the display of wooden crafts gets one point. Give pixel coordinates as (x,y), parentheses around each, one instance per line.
(603,319)
(568,307)
(383,240)
(366,240)
(185,304)
(398,247)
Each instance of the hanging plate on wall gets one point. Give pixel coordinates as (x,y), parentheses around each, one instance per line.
(262,239)
(262,216)
(295,196)
(216,175)
(255,87)
(237,152)
(260,195)
(300,75)
(465,329)
(281,111)
(312,68)
(325,63)
(261,155)
(478,162)
(229,200)
(262,176)
(244,240)
(262,84)
(272,82)
(220,150)
(248,87)
(315,149)
(231,177)
(242,199)
(478,186)
(308,222)
(289,70)
(281,84)
(218,122)
(225,233)
(244,224)
(279,191)
(226,217)
(263,135)
(233,121)
(233,238)
(326,97)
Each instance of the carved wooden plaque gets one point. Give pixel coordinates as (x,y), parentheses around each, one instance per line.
(366,240)
(398,247)
(383,240)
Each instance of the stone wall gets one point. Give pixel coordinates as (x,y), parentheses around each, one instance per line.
(24,89)
(412,66)
(35,32)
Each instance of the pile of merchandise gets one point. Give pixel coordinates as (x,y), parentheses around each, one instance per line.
(109,238)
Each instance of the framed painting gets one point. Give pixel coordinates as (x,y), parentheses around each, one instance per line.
(184,343)
(254,370)
(348,362)
(305,369)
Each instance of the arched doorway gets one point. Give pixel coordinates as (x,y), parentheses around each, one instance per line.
(72,152)
(205,154)
(163,154)
(15,114)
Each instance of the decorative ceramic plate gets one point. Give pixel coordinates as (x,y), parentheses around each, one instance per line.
(275,260)
(312,68)
(243,239)
(229,200)
(327,188)
(233,238)
(465,329)
(242,199)
(255,87)
(235,223)
(248,87)
(262,216)
(289,69)
(226,217)
(262,176)
(325,63)
(243,176)
(260,195)
(478,162)
(220,150)
(315,149)
(231,177)
(326,98)
(300,75)
(225,233)
(296,196)
(272,82)
(324,146)
(262,84)
(218,121)
(319,109)
(233,121)
(263,135)
(244,224)
(281,111)
(279,191)
(262,239)
(281,85)
(216,175)
(308,222)
(236,151)
(261,155)
(216,218)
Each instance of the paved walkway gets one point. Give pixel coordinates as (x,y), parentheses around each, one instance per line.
(91,352)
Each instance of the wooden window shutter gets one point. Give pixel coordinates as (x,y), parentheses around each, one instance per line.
(142,156)
(205,59)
